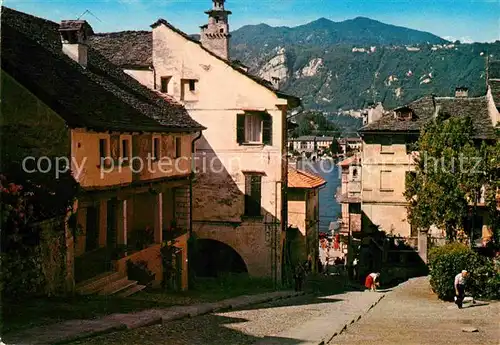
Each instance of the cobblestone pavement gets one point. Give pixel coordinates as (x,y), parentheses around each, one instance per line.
(271,322)
(411,315)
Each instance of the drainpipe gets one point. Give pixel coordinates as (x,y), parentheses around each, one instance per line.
(191,183)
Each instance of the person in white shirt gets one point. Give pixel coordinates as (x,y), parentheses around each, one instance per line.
(459,286)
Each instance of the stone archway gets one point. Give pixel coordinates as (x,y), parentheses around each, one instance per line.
(214,258)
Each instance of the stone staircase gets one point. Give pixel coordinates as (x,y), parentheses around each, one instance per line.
(109,283)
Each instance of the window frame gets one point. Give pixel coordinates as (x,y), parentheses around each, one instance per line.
(167,80)
(192,85)
(156,148)
(261,120)
(382,189)
(107,154)
(125,158)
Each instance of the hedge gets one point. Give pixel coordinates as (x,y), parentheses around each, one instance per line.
(447,261)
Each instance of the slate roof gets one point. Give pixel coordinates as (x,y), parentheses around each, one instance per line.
(302,179)
(135,48)
(424,111)
(100,97)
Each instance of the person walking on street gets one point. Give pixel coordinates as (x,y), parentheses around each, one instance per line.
(459,286)
(355,269)
(298,276)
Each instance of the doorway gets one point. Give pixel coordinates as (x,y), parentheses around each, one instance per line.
(92,229)
(111,235)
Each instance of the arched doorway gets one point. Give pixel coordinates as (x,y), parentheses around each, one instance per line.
(214,258)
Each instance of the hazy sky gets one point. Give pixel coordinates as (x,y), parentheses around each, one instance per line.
(466,20)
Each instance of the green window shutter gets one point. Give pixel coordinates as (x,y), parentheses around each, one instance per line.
(240,128)
(267,130)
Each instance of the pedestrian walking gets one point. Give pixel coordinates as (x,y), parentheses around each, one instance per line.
(372,281)
(355,269)
(459,286)
(298,277)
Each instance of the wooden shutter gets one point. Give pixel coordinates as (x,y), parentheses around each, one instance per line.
(256,192)
(267,130)
(240,128)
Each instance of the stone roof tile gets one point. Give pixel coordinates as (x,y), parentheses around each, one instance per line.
(100,97)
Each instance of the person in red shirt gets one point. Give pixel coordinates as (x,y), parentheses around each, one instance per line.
(371,281)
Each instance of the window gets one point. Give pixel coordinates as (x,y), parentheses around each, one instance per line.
(254,128)
(222,30)
(385,180)
(192,85)
(386,146)
(354,173)
(178,147)
(164,84)
(253,195)
(103,149)
(125,150)
(156,148)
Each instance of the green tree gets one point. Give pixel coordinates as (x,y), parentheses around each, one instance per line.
(335,147)
(315,123)
(450,172)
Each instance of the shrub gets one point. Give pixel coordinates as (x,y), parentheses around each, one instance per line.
(447,261)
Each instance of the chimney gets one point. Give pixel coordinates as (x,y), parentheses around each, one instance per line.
(461,92)
(74,34)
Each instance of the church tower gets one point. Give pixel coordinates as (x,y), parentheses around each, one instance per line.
(215,35)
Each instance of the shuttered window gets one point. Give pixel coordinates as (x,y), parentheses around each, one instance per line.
(254,128)
(253,195)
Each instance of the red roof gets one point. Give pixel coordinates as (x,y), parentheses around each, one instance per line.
(302,179)
(349,161)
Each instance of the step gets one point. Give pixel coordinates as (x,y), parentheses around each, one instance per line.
(131,290)
(97,283)
(117,286)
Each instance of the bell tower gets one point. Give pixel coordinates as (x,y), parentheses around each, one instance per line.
(215,35)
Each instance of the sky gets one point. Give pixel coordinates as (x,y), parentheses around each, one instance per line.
(465,20)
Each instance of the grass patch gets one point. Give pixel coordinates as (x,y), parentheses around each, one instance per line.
(30,313)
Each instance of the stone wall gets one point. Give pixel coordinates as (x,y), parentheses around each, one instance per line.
(251,239)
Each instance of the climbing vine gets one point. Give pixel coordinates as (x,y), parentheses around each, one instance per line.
(33,234)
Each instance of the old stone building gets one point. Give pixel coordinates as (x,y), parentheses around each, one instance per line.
(239,198)
(128,148)
(387,156)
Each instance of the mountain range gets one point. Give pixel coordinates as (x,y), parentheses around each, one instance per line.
(350,64)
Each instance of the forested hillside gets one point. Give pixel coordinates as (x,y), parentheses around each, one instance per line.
(354,63)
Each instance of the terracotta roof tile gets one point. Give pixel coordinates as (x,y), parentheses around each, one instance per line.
(349,161)
(302,179)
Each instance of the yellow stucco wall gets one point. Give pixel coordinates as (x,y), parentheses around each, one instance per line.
(86,163)
(385,205)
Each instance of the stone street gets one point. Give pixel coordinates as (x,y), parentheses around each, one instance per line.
(412,314)
(301,320)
